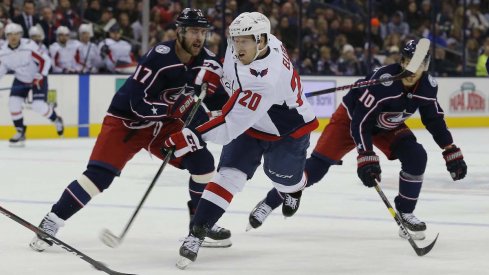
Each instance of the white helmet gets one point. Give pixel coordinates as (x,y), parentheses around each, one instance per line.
(36,30)
(86,28)
(13,28)
(251,23)
(62,30)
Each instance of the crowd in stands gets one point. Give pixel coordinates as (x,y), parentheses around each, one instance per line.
(331,39)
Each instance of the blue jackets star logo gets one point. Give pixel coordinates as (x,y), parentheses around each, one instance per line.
(154,110)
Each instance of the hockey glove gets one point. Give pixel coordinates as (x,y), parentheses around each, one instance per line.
(182,105)
(210,73)
(455,162)
(37,81)
(185,141)
(368,168)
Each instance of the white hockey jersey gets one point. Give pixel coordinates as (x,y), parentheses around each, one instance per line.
(63,56)
(119,56)
(42,48)
(266,100)
(88,56)
(25,61)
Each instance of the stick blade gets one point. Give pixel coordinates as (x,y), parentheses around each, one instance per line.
(109,239)
(422,49)
(421,251)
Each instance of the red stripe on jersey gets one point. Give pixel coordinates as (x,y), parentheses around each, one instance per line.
(309,127)
(77,57)
(261,135)
(215,122)
(39,60)
(220,191)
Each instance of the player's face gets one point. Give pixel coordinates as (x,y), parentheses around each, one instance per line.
(244,48)
(37,38)
(115,35)
(193,40)
(413,79)
(85,37)
(13,39)
(63,38)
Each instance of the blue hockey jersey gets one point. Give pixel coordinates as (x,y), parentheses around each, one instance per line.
(158,80)
(386,106)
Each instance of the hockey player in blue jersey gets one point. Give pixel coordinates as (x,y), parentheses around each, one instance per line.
(375,116)
(152,104)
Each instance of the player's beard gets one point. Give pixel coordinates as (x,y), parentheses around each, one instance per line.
(188,46)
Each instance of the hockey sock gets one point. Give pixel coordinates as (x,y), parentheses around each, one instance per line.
(53,116)
(72,200)
(315,169)
(409,189)
(274,198)
(19,124)
(214,202)
(195,190)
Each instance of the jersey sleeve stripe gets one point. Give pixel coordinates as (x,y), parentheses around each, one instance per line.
(40,61)
(213,123)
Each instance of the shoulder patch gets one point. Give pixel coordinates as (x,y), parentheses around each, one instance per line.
(387,83)
(209,52)
(432,81)
(162,49)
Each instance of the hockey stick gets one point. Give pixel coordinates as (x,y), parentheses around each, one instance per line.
(421,251)
(419,55)
(96,264)
(110,239)
(15,87)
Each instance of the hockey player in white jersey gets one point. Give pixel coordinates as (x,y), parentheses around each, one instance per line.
(36,34)
(63,52)
(87,54)
(31,69)
(116,53)
(266,116)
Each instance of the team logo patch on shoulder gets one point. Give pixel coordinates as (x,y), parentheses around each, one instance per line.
(432,81)
(259,73)
(384,76)
(162,49)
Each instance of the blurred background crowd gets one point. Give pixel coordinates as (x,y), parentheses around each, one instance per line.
(323,37)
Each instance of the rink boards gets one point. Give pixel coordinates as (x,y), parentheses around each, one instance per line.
(82,101)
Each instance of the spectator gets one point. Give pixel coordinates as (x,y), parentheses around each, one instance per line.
(66,16)
(289,34)
(397,25)
(94,11)
(28,18)
(2,29)
(348,64)
(326,66)
(475,18)
(48,26)
(443,66)
(482,61)
(125,26)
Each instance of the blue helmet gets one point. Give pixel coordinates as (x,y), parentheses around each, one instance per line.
(408,50)
(192,18)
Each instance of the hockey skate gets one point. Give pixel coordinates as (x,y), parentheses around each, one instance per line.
(291,203)
(191,245)
(217,236)
(50,224)
(18,140)
(415,227)
(258,215)
(60,128)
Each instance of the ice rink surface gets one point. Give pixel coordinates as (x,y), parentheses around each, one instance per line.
(341,227)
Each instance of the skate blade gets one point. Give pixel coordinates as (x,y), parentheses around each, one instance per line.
(415,235)
(38,244)
(248,227)
(19,144)
(183,263)
(210,243)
